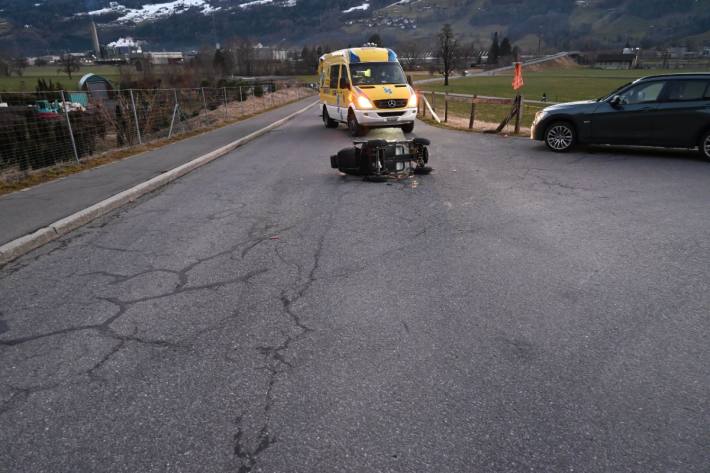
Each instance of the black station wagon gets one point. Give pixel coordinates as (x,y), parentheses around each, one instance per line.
(666,111)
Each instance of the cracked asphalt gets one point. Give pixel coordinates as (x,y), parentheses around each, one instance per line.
(516,310)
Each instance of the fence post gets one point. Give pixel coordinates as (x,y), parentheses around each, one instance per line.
(135,117)
(204,100)
(224,89)
(473,113)
(518,113)
(433,100)
(446,107)
(422,98)
(241,100)
(175,109)
(71,133)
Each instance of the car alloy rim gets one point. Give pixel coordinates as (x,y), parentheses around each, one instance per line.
(559,137)
(707,146)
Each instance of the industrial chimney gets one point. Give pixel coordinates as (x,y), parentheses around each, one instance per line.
(95,40)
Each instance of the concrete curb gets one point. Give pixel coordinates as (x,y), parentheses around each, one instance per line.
(20,246)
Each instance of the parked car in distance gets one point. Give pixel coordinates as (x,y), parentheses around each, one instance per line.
(671,111)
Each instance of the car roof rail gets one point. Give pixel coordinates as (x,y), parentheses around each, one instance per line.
(676,75)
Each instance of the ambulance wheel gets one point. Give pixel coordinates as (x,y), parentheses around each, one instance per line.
(355,128)
(327,121)
(408,128)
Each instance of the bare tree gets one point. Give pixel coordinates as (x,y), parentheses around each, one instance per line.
(19,64)
(5,68)
(448,51)
(69,64)
(244,55)
(410,55)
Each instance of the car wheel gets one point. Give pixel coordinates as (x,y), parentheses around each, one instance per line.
(355,128)
(560,137)
(327,121)
(705,145)
(408,128)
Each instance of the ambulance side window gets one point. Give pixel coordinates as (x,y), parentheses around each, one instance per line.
(334,70)
(344,75)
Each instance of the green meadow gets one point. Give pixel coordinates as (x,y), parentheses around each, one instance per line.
(560,85)
(28,80)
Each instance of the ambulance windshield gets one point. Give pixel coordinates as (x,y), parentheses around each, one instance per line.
(377,73)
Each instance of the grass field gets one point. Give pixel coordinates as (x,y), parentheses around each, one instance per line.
(28,81)
(560,85)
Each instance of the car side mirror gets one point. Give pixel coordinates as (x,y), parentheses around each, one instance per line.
(615,101)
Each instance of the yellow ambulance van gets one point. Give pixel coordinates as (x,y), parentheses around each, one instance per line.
(365,87)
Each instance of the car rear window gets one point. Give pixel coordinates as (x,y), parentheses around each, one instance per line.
(685,90)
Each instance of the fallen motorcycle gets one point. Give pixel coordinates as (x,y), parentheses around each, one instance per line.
(380,159)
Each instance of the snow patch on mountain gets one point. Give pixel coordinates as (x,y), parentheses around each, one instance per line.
(154,11)
(254,3)
(363,7)
(113,7)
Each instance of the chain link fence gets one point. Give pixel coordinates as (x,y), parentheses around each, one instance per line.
(41,129)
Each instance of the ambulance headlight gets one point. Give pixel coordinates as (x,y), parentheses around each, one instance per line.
(412,102)
(364,102)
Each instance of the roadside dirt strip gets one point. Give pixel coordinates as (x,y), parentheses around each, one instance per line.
(23,245)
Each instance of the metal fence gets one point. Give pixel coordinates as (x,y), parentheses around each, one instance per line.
(41,129)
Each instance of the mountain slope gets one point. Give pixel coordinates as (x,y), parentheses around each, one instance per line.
(56,25)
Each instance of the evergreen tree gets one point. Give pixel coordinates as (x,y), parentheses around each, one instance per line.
(220,62)
(494,52)
(506,49)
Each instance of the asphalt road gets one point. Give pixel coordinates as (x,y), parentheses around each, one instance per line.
(33,208)
(514,311)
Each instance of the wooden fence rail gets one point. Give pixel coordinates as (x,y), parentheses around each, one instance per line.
(516,107)
(485,98)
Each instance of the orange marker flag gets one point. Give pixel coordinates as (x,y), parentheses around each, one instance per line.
(518,78)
